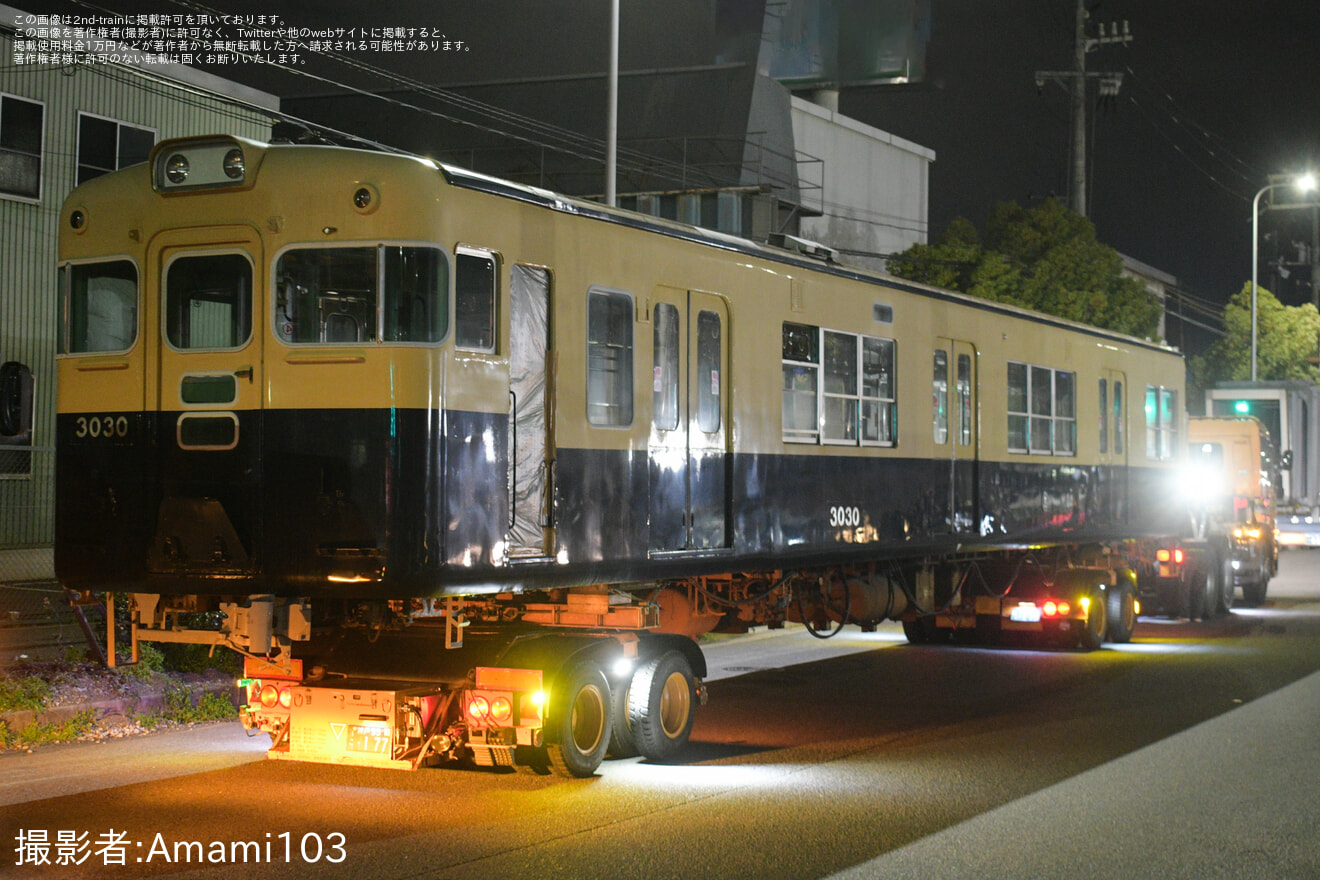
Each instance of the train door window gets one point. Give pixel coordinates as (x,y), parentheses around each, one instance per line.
(609,358)
(801,370)
(940,400)
(415,303)
(1065,413)
(21,126)
(1118,417)
(665,370)
(1018,411)
(964,400)
(1104,416)
(326,295)
(839,415)
(879,422)
(709,344)
(208,301)
(474,300)
(100,307)
(1152,422)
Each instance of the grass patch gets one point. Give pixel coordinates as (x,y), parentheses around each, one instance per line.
(41,733)
(24,693)
(179,709)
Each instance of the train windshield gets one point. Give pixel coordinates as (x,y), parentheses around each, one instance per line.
(388,293)
(100,307)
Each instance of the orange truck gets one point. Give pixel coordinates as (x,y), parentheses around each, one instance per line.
(1232,484)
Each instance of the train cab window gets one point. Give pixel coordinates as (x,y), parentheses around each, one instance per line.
(709,344)
(801,366)
(99,305)
(350,295)
(665,370)
(609,358)
(474,300)
(208,301)
(940,400)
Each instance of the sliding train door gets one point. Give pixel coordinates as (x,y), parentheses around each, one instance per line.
(688,449)
(531,401)
(955,430)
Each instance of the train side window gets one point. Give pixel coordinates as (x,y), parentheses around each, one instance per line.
(879,408)
(940,402)
(665,370)
(1042,410)
(709,343)
(1017,407)
(474,301)
(801,371)
(1104,416)
(609,358)
(416,300)
(1161,422)
(99,307)
(839,416)
(1152,422)
(326,295)
(1065,413)
(208,301)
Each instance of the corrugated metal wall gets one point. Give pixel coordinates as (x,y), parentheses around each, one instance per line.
(28,305)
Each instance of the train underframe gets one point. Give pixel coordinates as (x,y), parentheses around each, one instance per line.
(554,680)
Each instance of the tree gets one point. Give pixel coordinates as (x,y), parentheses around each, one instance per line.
(1044,258)
(1285,341)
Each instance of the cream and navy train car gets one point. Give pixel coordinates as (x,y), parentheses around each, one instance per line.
(316,371)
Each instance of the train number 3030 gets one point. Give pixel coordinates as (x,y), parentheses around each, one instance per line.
(101,427)
(845,517)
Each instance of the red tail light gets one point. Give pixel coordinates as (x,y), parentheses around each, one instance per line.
(1051,608)
(286,697)
(270,695)
(1178,556)
(501,710)
(478,707)
(1163,555)
(1064,609)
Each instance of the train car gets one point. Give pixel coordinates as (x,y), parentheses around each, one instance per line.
(372,408)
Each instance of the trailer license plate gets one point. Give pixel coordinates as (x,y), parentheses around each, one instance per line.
(375,740)
(1025,613)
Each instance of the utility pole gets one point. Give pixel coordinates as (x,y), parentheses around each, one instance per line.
(1075,81)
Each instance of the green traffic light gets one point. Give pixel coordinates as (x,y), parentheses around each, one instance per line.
(1242,406)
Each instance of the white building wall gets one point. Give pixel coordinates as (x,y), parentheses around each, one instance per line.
(875,191)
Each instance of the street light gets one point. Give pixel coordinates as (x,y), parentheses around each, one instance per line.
(1303,183)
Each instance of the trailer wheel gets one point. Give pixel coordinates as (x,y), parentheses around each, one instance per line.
(622,743)
(661,704)
(919,631)
(1221,572)
(1253,593)
(1097,622)
(1122,611)
(580,722)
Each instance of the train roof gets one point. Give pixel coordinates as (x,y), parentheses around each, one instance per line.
(463,178)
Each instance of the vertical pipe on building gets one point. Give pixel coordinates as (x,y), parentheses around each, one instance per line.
(612,109)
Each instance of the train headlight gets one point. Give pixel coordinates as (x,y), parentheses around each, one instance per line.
(233,164)
(176,168)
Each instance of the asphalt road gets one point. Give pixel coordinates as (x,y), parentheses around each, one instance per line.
(1192,752)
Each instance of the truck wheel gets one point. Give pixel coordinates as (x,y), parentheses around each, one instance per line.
(1122,612)
(1226,586)
(1254,593)
(1097,622)
(579,728)
(661,706)
(622,744)
(920,631)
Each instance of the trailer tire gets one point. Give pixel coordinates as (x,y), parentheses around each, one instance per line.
(1097,622)
(1222,573)
(1122,611)
(579,730)
(1253,593)
(920,631)
(622,743)
(662,705)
